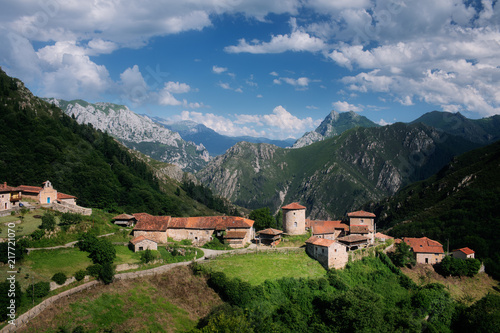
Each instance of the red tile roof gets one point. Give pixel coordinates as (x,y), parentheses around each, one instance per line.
(326,227)
(148,222)
(465,250)
(124,217)
(31,189)
(320,241)
(210,222)
(293,205)
(361,213)
(270,231)
(139,239)
(424,245)
(359,229)
(383,236)
(6,188)
(62,196)
(235,234)
(352,239)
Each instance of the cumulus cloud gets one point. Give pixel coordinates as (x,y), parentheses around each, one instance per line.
(345,106)
(218,70)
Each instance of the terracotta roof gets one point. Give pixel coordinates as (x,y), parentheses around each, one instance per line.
(32,189)
(235,234)
(327,227)
(62,196)
(293,205)
(139,239)
(352,239)
(270,231)
(210,222)
(359,229)
(123,217)
(361,213)
(424,245)
(320,241)
(6,188)
(381,235)
(151,223)
(465,250)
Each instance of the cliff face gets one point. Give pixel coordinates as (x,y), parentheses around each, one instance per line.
(335,175)
(137,132)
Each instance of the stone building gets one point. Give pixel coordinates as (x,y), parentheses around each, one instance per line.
(362,223)
(327,229)
(141,243)
(124,220)
(427,251)
(294,219)
(9,196)
(463,253)
(269,236)
(152,227)
(330,253)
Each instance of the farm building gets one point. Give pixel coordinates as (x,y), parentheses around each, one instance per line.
(270,236)
(427,251)
(330,253)
(141,243)
(463,253)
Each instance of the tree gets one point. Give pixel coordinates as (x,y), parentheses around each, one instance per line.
(107,273)
(80,275)
(403,255)
(147,256)
(59,278)
(48,222)
(38,290)
(7,293)
(103,252)
(263,219)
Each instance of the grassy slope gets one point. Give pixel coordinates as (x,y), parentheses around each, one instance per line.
(255,268)
(170,302)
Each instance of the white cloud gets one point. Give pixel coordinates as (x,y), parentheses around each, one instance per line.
(274,74)
(218,70)
(176,87)
(382,122)
(298,40)
(227,86)
(345,106)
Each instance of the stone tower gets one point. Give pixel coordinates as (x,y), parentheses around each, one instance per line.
(294,219)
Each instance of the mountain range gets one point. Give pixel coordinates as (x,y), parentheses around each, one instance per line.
(137,132)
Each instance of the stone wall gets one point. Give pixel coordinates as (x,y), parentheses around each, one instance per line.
(199,237)
(69,208)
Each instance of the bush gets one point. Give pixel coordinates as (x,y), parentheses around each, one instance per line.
(48,222)
(458,267)
(37,234)
(215,244)
(5,299)
(147,256)
(107,273)
(59,278)
(186,242)
(38,290)
(103,252)
(87,242)
(94,270)
(80,275)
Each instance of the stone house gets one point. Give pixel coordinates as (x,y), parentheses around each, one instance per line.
(362,223)
(235,231)
(9,196)
(427,251)
(294,219)
(463,253)
(47,194)
(330,253)
(327,229)
(141,243)
(124,220)
(354,241)
(382,237)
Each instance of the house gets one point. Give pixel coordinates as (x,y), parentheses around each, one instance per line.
(362,223)
(141,243)
(9,196)
(327,229)
(235,231)
(330,253)
(125,220)
(463,253)
(294,219)
(427,251)
(47,194)
(270,236)
(353,241)
(381,237)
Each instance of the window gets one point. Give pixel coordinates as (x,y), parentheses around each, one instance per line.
(323,251)
(295,224)
(426,260)
(140,248)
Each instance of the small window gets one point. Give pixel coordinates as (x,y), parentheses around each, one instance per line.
(323,250)
(295,224)
(140,248)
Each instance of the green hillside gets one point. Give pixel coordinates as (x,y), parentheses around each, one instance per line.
(333,176)
(38,142)
(459,204)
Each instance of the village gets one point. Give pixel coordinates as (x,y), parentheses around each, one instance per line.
(330,242)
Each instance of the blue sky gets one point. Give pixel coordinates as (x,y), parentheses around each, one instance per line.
(261,68)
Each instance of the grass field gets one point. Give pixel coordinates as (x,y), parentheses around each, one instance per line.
(255,268)
(171,302)
(29,224)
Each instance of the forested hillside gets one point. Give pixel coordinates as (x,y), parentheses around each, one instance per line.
(38,142)
(459,204)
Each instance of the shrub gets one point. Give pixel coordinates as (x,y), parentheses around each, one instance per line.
(37,234)
(94,270)
(87,242)
(59,278)
(215,244)
(458,267)
(80,275)
(147,256)
(103,252)
(107,273)
(38,290)
(48,222)
(186,242)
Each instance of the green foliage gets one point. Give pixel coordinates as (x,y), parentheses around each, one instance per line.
(94,270)
(68,219)
(38,290)
(59,278)
(103,252)
(147,256)
(458,267)
(403,255)
(482,316)
(205,196)
(107,273)
(186,242)
(48,221)
(8,293)
(87,242)
(37,234)
(263,219)
(6,248)
(215,244)
(80,275)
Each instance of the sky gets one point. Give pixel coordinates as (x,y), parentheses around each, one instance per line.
(261,68)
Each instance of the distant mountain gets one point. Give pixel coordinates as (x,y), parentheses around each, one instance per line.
(215,143)
(137,132)
(335,175)
(484,131)
(458,205)
(334,124)
(39,142)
